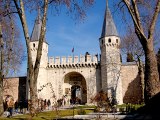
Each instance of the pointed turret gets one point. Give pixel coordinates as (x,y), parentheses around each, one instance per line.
(34,42)
(37,28)
(109,28)
(110,59)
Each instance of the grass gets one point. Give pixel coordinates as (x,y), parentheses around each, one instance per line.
(85,106)
(129,108)
(50,115)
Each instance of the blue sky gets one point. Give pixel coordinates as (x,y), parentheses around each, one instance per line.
(63,33)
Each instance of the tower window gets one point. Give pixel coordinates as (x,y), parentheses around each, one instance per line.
(109,40)
(34,45)
(102,42)
(116,40)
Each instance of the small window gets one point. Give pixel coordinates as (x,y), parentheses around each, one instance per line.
(34,45)
(102,42)
(116,40)
(109,40)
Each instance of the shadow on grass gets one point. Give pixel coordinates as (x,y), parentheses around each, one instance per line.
(67,119)
(20,118)
(150,110)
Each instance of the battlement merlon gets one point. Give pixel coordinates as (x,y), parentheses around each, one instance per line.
(88,59)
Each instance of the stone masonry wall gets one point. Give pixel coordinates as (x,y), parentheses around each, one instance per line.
(131,87)
(16,87)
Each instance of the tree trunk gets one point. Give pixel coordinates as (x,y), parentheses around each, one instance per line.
(152,84)
(41,40)
(141,74)
(33,70)
(33,83)
(33,106)
(151,69)
(1,96)
(1,72)
(33,96)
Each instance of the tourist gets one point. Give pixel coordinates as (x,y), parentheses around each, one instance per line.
(5,107)
(42,104)
(25,106)
(16,107)
(10,106)
(48,104)
(21,106)
(45,104)
(64,100)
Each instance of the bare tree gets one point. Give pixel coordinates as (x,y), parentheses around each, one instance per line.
(130,45)
(73,6)
(11,50)
(144,15)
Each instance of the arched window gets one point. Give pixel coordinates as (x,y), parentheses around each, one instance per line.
(109,40)
(116,40)
(102,42)
(34,45)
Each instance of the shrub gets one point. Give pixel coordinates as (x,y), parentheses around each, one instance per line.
(97,109)
(81,111)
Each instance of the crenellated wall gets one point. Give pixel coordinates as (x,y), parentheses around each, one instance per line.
(88,59)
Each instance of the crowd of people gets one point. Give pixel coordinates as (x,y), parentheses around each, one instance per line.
(44,104)
(63,101)
(15,107)
(21,107)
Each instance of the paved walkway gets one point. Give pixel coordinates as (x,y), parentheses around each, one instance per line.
(102,116)
(108,116)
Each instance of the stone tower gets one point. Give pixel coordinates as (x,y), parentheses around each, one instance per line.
(34,41)
(110,59)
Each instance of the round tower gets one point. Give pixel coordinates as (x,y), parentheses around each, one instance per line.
(110,59)
(34,41)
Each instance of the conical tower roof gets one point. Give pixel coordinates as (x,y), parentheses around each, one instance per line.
(37,28)
(109,28)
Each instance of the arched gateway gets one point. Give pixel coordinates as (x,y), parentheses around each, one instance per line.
(75,87)
(81,77)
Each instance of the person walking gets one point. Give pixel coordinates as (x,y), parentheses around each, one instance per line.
(48,104)
(10,106)
(16,107)
(45,104)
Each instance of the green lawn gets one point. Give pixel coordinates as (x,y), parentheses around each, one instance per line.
(46,115)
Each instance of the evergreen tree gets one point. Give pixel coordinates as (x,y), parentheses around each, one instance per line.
(130,57)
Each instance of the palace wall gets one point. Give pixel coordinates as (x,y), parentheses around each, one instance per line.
(51,81)
(15,87)
(131,84)
(59,67)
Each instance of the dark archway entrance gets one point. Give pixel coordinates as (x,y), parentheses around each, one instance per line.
(76,94)
(75,87)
